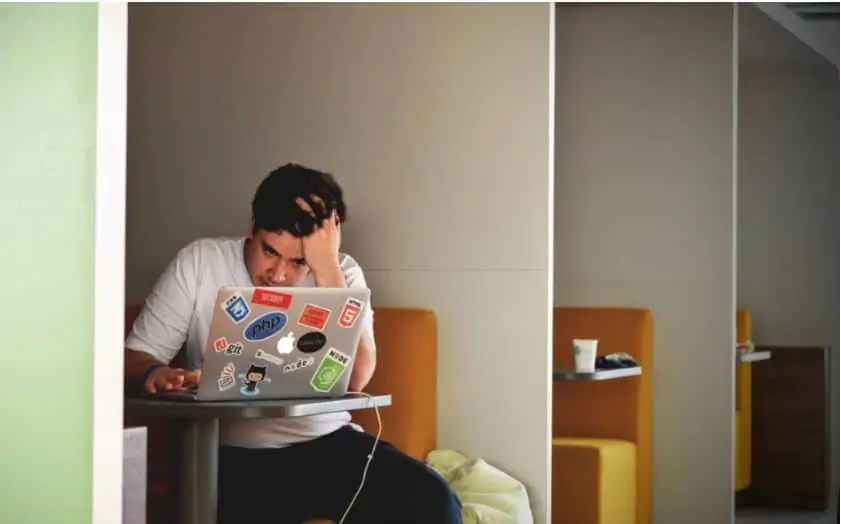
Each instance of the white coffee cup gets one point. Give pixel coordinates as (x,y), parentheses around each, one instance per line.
(585,351)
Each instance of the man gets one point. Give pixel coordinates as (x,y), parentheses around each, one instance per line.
(283,470)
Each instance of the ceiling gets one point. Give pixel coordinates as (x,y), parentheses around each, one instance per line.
(815,11)
(793,34)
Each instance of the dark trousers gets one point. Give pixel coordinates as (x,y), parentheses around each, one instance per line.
(318,479)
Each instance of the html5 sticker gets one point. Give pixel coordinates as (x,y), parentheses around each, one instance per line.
(314,317)
(265,297)
(350,313)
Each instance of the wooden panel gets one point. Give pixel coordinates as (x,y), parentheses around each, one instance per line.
(790,428)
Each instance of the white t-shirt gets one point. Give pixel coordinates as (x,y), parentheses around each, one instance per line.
(177,314)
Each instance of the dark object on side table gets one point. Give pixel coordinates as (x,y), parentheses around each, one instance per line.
(615,361)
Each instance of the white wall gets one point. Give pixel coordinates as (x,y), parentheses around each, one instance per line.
(644,202)
(432,117)
(788,209)
(788,203)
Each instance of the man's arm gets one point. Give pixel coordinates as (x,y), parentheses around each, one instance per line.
(366,354)
(161,327)
(137,363)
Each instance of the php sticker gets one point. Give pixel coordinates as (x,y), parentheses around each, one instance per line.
(301,363)
(265,297)
(311,342)
(264,326)
(329,371)
(256,375)
(314,317)
(226,378)
(236,308)
(350,312)
(268,357)
(220,344)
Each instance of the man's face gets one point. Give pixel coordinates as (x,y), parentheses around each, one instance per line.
(275,259)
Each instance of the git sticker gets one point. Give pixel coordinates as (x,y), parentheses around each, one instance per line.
(234,349)
(220,344)
(329,371)
(226,378)
(265,297)
(314,317)
(350,312)
(236,308)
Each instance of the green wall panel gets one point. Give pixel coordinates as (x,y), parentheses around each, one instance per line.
(48,74)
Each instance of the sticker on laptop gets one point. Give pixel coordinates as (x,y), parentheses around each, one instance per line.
(268,357)
(236,308)
(314,317)
(301,363)
(256,375)
(264,326)
(311,342)
(220,344)
(329,371)
(234,349)
(265,297)
(350,312)
(226,378)
(286,343)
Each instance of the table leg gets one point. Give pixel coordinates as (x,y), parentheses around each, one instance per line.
(199,472)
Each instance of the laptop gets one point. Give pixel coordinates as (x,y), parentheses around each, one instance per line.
(280,343)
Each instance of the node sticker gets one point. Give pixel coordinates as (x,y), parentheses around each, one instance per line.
(226,378)
(350,312)
(329,371)
(314,317)
(264,297)
(301,363)
(236,308)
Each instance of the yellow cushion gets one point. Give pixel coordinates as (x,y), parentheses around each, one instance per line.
(593,481)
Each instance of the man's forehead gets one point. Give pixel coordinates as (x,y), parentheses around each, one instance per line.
(284,244)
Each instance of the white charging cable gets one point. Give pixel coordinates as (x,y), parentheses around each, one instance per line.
(370,455)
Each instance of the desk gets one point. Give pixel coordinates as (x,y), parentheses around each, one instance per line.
(753,356)
(198,471)
(599,374)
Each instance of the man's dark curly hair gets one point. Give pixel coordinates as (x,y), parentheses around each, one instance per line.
(274,208)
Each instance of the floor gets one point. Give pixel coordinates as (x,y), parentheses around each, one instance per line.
(763,516)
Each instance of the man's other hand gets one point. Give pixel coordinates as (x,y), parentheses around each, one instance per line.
(171,379)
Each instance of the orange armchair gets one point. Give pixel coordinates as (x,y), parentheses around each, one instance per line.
(744,370)
(602,442)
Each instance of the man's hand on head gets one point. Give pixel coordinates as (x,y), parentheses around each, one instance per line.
(321,247)
(165,378)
